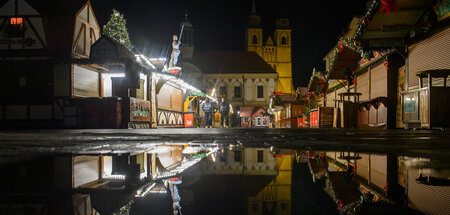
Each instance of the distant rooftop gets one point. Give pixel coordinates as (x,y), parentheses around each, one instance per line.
(229,62)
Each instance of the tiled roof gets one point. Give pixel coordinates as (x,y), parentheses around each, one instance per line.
(231,62)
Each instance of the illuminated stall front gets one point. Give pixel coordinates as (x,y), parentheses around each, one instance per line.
(171,93)
(124,86)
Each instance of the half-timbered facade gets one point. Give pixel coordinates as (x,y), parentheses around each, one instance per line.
(38,41)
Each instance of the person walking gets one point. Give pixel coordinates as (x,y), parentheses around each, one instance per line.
(224,109)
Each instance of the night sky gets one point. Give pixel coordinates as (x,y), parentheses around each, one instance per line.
(220,25)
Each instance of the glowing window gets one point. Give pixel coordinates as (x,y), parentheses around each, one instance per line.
(17,21)
(15,27)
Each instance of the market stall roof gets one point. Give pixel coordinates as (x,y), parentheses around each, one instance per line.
(246,111)
(107,48)
(347,57)
(437,73)
(167,77)
(344,188)
(287,97)
(317,82)
(109,55)
(259,111)
(382,30)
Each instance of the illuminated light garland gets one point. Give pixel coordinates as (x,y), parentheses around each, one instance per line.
(146,191)
(177,81)
(145,59)
(121,177)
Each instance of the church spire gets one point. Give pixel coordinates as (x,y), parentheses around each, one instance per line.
(254,20)
(187,41)
(253,7)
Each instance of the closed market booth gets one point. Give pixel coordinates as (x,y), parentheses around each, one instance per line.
(170,106)
(432,53)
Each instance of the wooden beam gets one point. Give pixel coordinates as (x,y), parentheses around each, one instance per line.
(77,38)
(36,33)
(101,167)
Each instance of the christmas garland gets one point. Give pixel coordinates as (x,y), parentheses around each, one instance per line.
(318,75)
(343,42)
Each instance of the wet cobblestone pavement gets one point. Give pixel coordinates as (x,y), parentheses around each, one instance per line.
(119,141)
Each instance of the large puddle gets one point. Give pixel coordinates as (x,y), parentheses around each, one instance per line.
(242,180)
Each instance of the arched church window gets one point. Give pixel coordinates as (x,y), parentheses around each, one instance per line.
(283,41)
(255,39)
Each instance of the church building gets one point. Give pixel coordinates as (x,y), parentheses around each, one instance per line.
(275,50)
(243,78)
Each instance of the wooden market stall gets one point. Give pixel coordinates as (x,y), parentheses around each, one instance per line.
(127,81)
(434,100)
(342,68)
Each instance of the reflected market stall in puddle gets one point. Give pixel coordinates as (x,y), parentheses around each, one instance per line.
(224,171)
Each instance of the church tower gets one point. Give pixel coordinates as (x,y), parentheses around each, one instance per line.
(282,36)
(254,34)
(187,39)
(276,50)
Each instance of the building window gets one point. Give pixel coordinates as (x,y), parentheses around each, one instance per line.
(260,156)
(255,39)
(15,27)
(237,92)
(223,91)
(255,207)
(237,156)
(284,206)
(260,92)
(283,41)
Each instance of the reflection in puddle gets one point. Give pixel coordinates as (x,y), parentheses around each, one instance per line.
(210,179)
(240,180)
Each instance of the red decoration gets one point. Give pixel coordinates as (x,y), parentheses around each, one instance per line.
(175,71)
(386,64)
(278,92)
(341,47)
(366,21)
(388,6)
(175,179)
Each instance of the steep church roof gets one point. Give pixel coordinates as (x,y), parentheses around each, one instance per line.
(269,41)
(231,62)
